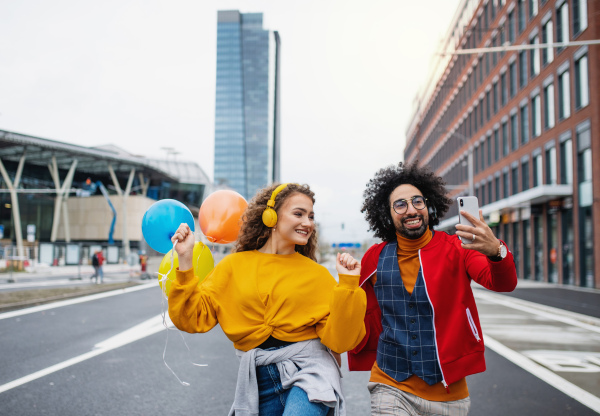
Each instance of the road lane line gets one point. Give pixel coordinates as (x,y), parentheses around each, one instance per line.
(75,301)
(145,329)
(556,315)
(577,393)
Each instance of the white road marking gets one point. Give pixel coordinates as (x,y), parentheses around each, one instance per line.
(568,388)
(75,301)
(582,321)
(567,361)
(146,328)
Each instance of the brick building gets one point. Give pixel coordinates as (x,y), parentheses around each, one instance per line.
(511,114)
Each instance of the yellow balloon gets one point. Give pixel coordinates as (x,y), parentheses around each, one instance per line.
(203,264)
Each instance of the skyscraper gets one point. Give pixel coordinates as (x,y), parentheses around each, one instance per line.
(247,103)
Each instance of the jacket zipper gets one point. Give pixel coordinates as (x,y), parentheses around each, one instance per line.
(437,352)
(473,326)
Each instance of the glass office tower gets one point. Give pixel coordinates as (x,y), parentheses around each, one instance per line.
(247,103)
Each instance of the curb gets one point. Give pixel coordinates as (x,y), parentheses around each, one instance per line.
(44,300)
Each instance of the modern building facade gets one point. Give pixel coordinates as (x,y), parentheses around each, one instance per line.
(57,199)
(511,114)
(246,104)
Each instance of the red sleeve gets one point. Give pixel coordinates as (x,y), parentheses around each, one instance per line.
(499,276)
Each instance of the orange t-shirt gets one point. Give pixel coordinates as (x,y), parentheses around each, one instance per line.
(408,262)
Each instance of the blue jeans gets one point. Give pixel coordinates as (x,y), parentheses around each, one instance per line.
(274,400)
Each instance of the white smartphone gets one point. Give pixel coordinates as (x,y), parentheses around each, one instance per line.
(469,204)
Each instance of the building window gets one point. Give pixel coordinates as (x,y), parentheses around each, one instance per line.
(515,180)
(497,188)
(514,128)
(490,193)
(549,106)
(496,145)
(538,171)
(488,148)
(547,37)
(483,194)
(481,111)
(522,15)
(562,24)
(533,8)
(579,16)
(551,177)
(505,185)
(494,54)
(480,71)
(512,68)
(495,96)
(511,27)
(476,160)
(503,89)
(534,57)
(564,96)
(536,116)
(488,106)
(522,69)
(566,162)
(524,124)
(586,237)
(525,175)
(502,40)
(482,155)
(505,139)
(582,89)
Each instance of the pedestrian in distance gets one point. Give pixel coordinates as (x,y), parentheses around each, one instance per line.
(95,265)
(286,315)
(423,331)
(100,270)
(97,262)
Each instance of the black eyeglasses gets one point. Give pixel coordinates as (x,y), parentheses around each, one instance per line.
(401,205)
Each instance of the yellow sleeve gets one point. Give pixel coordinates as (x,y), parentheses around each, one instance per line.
(190,306)
(344,327)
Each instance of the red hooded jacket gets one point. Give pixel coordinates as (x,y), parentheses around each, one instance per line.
(447,270)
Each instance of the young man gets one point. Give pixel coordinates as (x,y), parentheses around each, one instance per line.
(423,333)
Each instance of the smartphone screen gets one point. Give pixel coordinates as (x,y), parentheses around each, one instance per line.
(471,205)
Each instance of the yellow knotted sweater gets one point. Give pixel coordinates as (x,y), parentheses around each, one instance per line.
(254,295)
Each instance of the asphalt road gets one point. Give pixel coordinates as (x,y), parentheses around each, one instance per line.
(104,356)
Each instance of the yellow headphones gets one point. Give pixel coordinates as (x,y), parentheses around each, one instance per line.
(269,215)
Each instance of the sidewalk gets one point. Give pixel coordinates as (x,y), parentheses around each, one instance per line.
(40,272)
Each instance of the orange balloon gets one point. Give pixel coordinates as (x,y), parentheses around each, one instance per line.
(220,216)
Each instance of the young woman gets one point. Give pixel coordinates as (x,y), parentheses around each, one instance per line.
(285,314)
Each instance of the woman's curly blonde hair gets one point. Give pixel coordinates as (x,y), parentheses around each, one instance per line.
(254,233)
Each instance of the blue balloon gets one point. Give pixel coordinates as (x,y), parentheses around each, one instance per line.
(161,221)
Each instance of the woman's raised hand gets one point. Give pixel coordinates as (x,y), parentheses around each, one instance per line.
(185,246)
(346,264)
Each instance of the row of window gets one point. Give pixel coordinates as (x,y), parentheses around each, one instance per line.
(518,70)
(539,168)
(533,115)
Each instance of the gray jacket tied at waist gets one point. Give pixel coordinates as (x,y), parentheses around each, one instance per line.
(319,376)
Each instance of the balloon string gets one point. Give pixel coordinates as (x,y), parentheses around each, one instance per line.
(164,308)
(200,256)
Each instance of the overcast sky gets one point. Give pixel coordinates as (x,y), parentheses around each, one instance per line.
(141,75)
